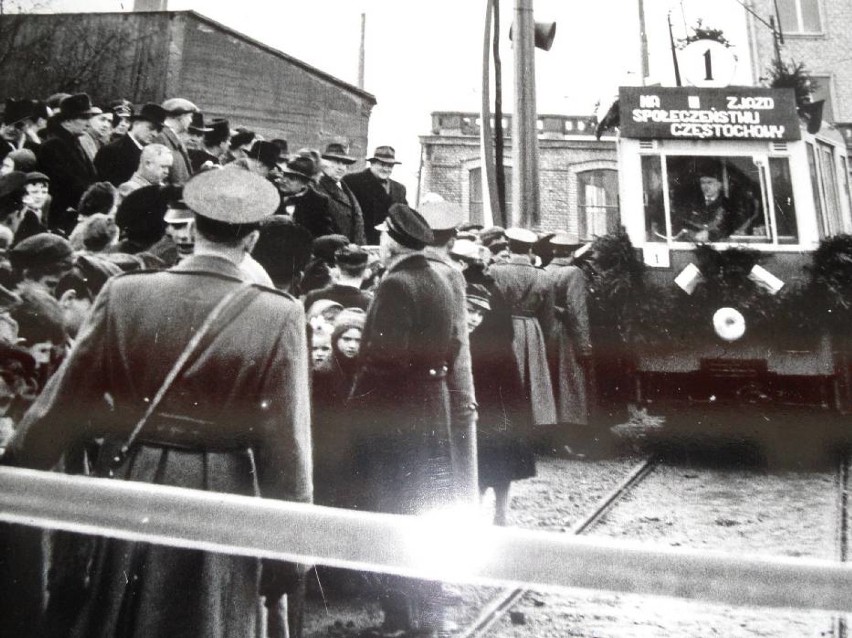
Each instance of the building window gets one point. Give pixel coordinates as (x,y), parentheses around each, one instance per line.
(597,202)
(476,197)
(799,16)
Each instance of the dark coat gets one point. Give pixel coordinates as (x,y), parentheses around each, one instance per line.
(236,420)
(311,210)
(181,169)
(117,161)
(198,157)
(374,199)
(346,296)
(526,290)
(400,400)
(571,343)
(344,208)
(70,171)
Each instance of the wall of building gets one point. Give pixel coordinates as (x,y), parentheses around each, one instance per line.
(567,146)
(149,56)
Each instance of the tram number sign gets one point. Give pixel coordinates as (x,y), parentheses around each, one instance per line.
(701,113)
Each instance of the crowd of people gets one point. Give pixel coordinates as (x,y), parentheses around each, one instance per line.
(184,302)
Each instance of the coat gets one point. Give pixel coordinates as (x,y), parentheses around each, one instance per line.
(181,169)
(198,157)
(344,209)
(117,161)
(70,171)
(374,199)
(526,290)
(571,344)
(236,421)
(310,209)
(400,400)
(346,296)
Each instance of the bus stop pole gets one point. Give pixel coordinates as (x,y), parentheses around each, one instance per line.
(525,188)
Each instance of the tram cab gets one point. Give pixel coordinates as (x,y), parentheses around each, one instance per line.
(731,168)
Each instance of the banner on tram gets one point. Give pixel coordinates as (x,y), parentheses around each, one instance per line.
(693,113)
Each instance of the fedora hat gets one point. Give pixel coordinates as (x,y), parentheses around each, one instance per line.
(385,154)
(78,106)
(300,166)
(264,152)
(197,124)
(337,152)
(153,113)
(17,110)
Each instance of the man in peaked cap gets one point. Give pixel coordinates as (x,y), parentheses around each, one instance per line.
(344,206)
(247,434)
(63,159)
(526,290)
(179,114)
(571,346)
(117,161)
(350,264)
(375,191)
(405,460)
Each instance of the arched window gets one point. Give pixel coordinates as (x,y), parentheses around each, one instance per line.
(597,202)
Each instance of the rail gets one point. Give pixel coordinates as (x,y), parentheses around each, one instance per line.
(450,548)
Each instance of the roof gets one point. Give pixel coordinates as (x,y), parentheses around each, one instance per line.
(256,43)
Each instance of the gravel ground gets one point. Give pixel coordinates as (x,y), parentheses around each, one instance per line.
(736,510)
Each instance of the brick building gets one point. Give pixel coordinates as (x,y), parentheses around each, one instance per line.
(816,34)
(578,173)
(152,55)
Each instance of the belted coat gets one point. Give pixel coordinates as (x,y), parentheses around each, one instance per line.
(237,421)
(400,399)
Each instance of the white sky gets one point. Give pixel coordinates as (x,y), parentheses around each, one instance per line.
(426,55)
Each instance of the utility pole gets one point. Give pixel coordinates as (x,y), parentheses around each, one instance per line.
(525,185)
(361,51)
(643,44)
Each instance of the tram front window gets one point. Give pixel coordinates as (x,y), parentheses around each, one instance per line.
(716,199)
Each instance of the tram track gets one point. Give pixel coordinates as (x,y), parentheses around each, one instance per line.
(503,602)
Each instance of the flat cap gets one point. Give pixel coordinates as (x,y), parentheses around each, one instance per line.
(492,234)
(12,183)
(351,255)
(178,106)
(231,196)
(34,177)
(441,215)
(407,227)
(465,249)
(326,246)
(43,249)
(479,296)
(521,236)
(24,159)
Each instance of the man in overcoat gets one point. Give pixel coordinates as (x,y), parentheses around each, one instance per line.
(117,161)
(178,119)
(375,191)
(343,205)
(63,159)
(404,462)
(526,290)
(300,202)
(571,347)
(235,420)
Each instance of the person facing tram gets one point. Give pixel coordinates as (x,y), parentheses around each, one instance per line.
(711,215)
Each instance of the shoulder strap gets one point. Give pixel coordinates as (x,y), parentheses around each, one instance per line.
(241,293)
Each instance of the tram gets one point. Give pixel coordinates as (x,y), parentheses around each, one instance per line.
(728,196)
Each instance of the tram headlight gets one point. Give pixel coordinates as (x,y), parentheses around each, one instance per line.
(729,324)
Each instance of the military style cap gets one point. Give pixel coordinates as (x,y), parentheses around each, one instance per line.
(12,183)
(178,213)
(563,238)
(521,236)
(231,196)
(351,255)
(407,227)
(39,250)
(178,106)
(442,215)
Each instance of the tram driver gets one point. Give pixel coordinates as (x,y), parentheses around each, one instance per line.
(708,217)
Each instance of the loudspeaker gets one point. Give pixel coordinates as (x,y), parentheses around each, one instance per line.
(545,32)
